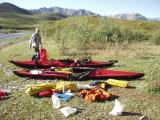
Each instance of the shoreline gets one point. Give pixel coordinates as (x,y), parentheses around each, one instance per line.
(13,35)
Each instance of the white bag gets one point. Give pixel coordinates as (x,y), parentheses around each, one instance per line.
(117,109)
(35,72)
(81,86)
(68,111)
(55,101)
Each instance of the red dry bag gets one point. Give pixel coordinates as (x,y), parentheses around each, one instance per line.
(43,54)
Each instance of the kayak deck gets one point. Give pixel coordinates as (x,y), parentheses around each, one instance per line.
(60,63)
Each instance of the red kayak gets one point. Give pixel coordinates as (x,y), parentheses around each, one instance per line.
(62,63)
(83,74)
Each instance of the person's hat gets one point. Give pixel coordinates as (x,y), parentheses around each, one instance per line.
(37,30)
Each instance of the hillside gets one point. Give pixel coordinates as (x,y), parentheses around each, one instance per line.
(14,21)
(78,35)
(13,18)
(52,16)
(94,22)
(10,8)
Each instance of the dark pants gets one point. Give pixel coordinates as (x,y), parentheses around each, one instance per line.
(37,54)
(36,49)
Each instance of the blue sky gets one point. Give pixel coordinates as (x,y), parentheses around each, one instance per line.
(148,8)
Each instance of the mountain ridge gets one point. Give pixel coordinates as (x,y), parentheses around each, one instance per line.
(81,12)
(8,7)
(133,16)
(65,11)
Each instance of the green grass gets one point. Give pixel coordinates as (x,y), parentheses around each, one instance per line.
(139,56)
(143,100)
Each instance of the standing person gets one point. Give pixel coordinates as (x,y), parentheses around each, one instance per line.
(35,42)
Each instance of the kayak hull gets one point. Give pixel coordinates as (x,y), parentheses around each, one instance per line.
(95,74)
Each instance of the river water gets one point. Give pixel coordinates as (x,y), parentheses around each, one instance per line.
(13,35)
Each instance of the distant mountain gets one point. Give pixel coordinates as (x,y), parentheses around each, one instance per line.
(8,7)
(133,16)
(155,19)
(65,11)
